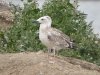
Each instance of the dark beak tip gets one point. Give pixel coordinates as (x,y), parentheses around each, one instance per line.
(34,21)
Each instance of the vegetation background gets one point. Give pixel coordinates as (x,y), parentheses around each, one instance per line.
(23,35)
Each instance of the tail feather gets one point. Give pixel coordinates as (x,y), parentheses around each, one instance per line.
(72,45)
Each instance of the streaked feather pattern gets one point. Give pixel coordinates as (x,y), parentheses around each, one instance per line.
(58,38)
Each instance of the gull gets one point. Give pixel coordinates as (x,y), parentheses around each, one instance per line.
(52,38)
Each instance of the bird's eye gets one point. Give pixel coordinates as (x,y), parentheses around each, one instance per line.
(42,19)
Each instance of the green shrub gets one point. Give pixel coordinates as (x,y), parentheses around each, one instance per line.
(23,35)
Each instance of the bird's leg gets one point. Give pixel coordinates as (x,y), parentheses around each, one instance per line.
(49,50)
(53,58)
(54,52)
(48,55)
(57,52)
(50,58)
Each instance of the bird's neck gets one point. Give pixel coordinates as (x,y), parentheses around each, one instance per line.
(44,27)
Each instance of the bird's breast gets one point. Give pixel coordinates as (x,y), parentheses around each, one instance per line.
(44,39)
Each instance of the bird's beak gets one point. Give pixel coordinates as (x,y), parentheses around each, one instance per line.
(35,21)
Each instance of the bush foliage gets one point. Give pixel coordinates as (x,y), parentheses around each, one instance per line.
(23,35)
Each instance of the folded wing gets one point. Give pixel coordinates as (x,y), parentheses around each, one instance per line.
(59,38)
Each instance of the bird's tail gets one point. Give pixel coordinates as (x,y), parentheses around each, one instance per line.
(72,45)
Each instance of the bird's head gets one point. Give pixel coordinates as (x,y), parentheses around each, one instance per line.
(45,20)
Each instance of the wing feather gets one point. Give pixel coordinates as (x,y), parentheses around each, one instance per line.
(59,38)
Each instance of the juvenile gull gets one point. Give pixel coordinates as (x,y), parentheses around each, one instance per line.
(52,38)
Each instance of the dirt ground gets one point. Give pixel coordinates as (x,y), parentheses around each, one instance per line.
(39,63)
